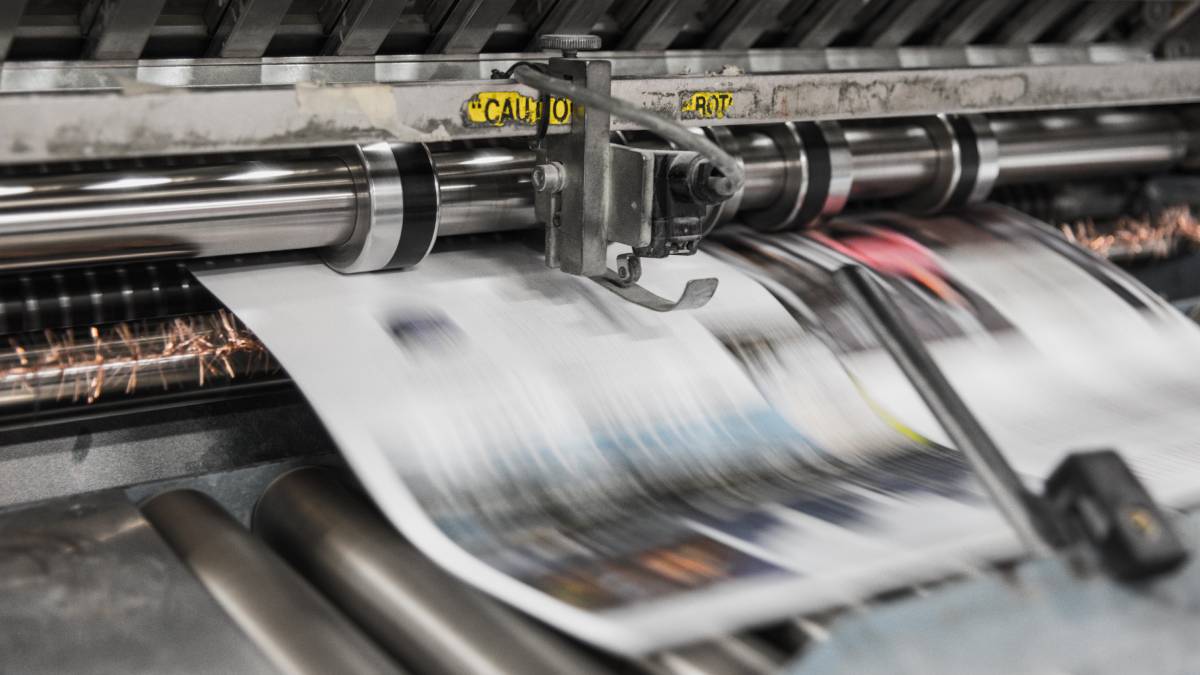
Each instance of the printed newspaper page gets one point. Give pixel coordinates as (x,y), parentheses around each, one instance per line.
(636,479)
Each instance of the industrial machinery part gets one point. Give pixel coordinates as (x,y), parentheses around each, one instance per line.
(65,298)
(592,193)
(413,608)
(376,208)
(53,368)
(89,586)
(294,626)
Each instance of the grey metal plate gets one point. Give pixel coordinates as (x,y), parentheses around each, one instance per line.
(141,445)
(72,126)
(88,586)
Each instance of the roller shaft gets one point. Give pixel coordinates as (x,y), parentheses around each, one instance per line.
(296,628)
(253,206)
(241,207)
(1052,147)
(409,605)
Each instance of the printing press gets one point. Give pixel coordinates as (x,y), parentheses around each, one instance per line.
(170,501)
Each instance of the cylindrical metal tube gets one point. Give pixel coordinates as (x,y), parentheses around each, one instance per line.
(431,621)
(90,296)
(246,207)
(297,629)
(241,207)
(44,370)
(764,168)
(890,159)
(1051,147)
(484,190)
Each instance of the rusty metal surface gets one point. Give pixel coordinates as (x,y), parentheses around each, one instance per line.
(156,121)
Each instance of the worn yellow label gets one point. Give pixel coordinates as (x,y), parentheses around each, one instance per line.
(705,105)
(501,108)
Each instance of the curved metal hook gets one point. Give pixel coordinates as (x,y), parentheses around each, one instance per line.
(696,293)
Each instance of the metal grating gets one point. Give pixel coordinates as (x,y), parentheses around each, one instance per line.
(130,29)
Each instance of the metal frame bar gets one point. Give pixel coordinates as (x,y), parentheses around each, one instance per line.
(44,76)
(79,125)
(897,23)
(1089,25)
(119,29)
(570,16)
(658,24)
(362,26)
(246,27)
(745,23)
(821,25)
(468,25)
(1034,20)
(10,17)
(972,18)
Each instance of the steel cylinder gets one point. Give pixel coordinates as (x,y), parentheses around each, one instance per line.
(1051,147)
(764,165)
(484,190)
(890,158)
(251,206)
(239,207)
(297,629)
(423,616)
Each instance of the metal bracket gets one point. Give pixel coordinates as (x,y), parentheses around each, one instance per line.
(592,193)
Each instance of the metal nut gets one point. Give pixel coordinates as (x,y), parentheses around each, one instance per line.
(549,177)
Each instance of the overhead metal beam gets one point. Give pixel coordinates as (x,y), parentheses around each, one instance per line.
(1034,20)
(745,23)
(467,26)
(362,26)
(970,20)
(75,126)
(245,27)
(10,18)
(570,17)
(46,76)
(657,26)
(821,25)
(119,29)
(897,23)
(1090,24)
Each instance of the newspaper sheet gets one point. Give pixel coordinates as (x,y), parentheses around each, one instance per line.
(641,480)
(616,472)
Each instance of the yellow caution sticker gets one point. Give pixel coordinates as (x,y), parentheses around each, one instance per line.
(502,108)
(705,105)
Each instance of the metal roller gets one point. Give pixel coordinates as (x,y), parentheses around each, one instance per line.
(240,207)
(297,629)
(429,620)
(381,206)
(53,369)
(1050,147)
(37,301)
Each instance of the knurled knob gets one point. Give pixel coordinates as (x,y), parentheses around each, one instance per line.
(568,43)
